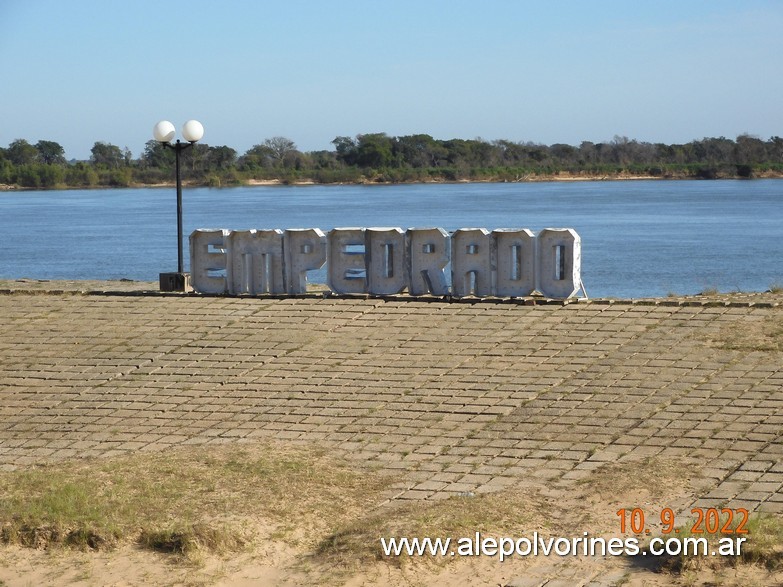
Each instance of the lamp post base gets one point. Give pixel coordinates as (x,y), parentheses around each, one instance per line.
(175,282)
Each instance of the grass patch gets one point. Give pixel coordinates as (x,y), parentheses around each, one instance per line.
(181,501)
(763,548)
(507,513)
(752,335)
(765,545)
(776,287)
(654,477)
(193,539)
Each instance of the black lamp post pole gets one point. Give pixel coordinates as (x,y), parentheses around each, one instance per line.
(180,263)
(179,281)
(179,147)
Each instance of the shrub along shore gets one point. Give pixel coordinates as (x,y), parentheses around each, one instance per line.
(380,158)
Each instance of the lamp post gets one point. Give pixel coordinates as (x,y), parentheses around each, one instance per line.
(164,132)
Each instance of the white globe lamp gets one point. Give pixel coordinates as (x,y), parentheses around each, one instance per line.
(192,130)
(164,131)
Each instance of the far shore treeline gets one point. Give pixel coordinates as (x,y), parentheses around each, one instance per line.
(380,158)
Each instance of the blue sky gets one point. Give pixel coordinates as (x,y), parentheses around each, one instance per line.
(545,71)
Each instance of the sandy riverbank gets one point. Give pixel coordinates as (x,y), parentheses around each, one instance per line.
(558,177)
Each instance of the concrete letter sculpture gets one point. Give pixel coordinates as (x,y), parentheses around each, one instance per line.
(508,262)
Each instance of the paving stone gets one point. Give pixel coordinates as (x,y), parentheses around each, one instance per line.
(458,397)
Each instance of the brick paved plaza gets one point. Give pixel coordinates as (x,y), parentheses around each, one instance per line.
(459,397)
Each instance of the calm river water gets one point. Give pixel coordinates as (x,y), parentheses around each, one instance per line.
(639,238)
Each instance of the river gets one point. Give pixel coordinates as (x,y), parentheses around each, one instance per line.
(639,238)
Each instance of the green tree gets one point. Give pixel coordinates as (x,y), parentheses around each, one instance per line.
(749,150)
(324,160)
(81,175)
(509,153)
(279,148)
(774,150)
(257,157)
(482,154)
(27,176)
(346,149)
(7,172)
(565,155)
(374,150)
(156,155)
(420,151)
(50,175)
(195,159)
(221,158)
(107,155)
(718,151)
(20,152)
(50,153)
(457,152)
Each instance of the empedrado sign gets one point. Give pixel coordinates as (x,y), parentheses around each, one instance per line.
(386,261)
